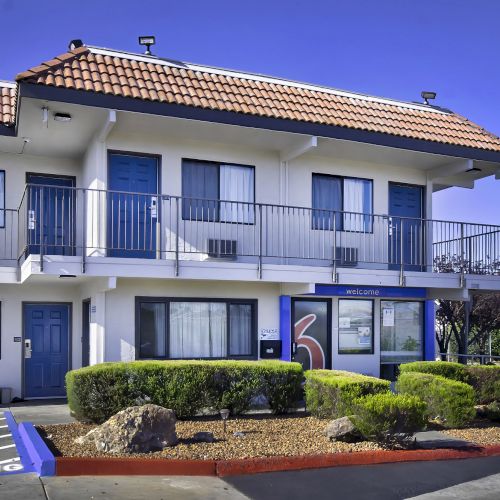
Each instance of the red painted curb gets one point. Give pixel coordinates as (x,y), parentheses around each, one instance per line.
(124,466)
(275,464)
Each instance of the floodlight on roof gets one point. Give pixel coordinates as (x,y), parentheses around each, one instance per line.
(147,41)
(427,95)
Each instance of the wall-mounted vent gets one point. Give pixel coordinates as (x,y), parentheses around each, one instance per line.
(346,256)
(222,249)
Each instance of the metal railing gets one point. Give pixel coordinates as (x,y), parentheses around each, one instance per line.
(92,222)
(471,359)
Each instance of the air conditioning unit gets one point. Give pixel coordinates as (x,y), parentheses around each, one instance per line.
(222,249)
(346,256)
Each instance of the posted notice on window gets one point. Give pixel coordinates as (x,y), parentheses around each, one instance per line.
(388,316)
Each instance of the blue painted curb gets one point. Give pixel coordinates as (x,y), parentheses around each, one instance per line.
(44,462)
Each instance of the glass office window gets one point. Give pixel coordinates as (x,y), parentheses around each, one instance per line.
(355,326)
(401,331)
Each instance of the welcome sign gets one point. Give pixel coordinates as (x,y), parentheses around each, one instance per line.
(370,291)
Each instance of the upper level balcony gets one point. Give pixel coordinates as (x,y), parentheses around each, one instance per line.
(90,223)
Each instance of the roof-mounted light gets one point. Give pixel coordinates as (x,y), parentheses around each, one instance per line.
(147,41)
(427,96)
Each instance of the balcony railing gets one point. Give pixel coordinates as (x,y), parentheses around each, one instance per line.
(89,222)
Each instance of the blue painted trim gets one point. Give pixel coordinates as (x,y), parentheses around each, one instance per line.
(429,331)
(21,449)
(286,327)
(370,291)
(42,458)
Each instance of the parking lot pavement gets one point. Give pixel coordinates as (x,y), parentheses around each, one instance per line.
(10,461)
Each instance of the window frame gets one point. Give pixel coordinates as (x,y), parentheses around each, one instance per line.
(372,346)
(218,201)
(342,178)
(167,300)
(422,329)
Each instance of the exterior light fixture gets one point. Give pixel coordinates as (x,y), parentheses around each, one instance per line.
(224,414)
(62,117)
(147,41)
(75,44)
(427,96)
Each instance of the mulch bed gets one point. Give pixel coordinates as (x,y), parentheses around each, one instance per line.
(481,432)
(264,437)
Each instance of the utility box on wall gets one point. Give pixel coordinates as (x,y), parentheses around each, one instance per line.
(270,349)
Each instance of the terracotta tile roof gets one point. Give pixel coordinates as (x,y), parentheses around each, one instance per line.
(153,79)
(7,103)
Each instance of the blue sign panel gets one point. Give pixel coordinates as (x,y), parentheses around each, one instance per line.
(370,291)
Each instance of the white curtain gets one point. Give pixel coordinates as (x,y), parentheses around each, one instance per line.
(237,185)
(357,202)
(198,330)
(240,327)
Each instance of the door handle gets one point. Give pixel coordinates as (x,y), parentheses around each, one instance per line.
(27,348)
(294,348)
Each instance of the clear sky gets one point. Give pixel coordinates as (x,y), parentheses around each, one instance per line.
(390,48)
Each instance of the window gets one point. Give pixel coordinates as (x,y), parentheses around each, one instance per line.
(2,198)
(349,198)
(215,192)
(355,326)
(402,328)
(177,328)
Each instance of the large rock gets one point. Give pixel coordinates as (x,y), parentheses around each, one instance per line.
(138,429)
(342,429)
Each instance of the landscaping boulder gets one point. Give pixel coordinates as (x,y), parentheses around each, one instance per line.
(342,429)
(138,429)
(204,437)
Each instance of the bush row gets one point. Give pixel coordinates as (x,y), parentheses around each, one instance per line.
(332,393)
(188,387)
(451,401)
(484,379)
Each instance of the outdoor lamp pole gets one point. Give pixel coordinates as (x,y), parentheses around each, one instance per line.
(224,413)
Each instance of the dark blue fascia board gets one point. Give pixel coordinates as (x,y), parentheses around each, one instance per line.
(8,131)
(87,98)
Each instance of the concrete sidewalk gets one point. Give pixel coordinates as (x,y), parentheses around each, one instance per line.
(31,487)
(41,412)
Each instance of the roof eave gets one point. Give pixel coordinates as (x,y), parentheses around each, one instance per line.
(86,98)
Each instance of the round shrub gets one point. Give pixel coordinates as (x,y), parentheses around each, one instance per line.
(389,417)
(331,393)
(486,382)
(447,399)
(446,369)
(188,387)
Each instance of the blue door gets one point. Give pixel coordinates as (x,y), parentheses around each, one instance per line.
(406,227)
(132,206)
(46,349)
(51,215)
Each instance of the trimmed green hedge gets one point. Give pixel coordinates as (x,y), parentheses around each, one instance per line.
(331,393)
(486,382)
(446,369)
(389,417)
(188,387)
(448,399)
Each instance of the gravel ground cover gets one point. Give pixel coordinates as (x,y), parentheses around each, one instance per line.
(481,432)
(263,437)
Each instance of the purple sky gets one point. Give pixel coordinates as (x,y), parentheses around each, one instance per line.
(391,48)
